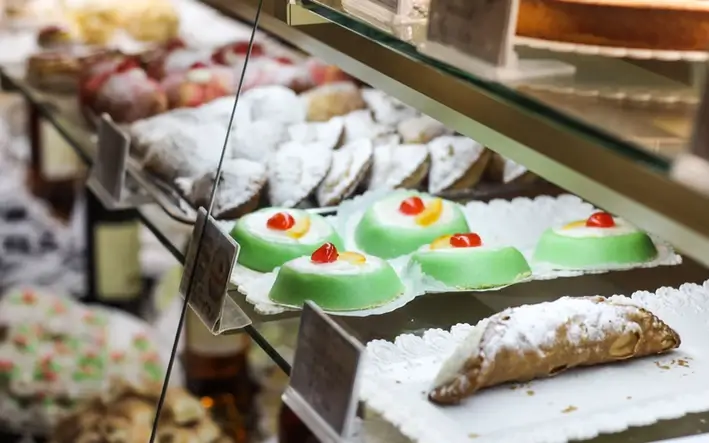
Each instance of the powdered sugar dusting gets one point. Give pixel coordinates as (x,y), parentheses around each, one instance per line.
(531,327)
(329,132)
(421,129)
(394,164)
(349,166)
(275,103)
(451,157)
(387,109)
(241,180)
(359,125)
(125,86)
(257,140)
(512,170)
(296,170)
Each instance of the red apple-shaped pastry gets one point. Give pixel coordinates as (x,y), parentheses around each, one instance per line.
(321,73)
(128,94)
(173,58)
(95,71)
(234,54)
(198,85)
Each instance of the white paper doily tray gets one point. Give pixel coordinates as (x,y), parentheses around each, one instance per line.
(578,404)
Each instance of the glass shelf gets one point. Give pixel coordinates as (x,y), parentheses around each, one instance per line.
(431,311)
(580,133)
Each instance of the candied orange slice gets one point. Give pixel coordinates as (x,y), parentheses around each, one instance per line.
(300,228)
(431,214)
(442,242)
(353,257)
(576,224)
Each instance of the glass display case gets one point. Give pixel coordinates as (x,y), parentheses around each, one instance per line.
(338,108)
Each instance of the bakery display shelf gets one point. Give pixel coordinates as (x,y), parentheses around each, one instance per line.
(616,155)
(74,130)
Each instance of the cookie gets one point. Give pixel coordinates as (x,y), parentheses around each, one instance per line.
(399,166)
(275,104)
(332,100)
(296,170)
(257,141)
(360,125)
(421,129)
(350,166)
(238,191)
(504,170)
(456,163)
(387,109)
(330,132)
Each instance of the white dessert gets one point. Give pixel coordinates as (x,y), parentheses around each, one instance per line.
(451,158)
(305,265)
(296,170)
(387,212)
(580,230)
(257,224)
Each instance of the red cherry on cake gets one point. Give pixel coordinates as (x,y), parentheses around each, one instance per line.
(281,221)
(600,220)
(470,240)
(412,206)
(326,253)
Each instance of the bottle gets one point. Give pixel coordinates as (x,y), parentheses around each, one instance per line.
(291,428)
(56,171)
(216,371)
(113,250)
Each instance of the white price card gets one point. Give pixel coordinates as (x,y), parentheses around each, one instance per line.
(323,389)
(210,258)
(481,29)
(109,171)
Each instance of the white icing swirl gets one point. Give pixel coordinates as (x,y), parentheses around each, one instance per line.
(621,228)
(256,223)
(339,267)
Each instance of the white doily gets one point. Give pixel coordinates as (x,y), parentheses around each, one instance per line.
(579,404)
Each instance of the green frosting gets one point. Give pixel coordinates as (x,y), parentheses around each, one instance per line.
(584,252)
(473,268)
(337,292)
(388,241)
(265,255)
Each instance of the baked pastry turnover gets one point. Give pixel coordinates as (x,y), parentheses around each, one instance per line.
(542,340)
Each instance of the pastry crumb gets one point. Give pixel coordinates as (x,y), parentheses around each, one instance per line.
(569,409)
(661,366)
(530,392)
(473,435)
(629,398)
(683,362)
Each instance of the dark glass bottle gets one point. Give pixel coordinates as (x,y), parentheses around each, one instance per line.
(216,371)
(113,254)
(291,428)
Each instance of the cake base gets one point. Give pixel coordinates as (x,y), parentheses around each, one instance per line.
(662,25)
(588,252)
(336,291)
(473,268)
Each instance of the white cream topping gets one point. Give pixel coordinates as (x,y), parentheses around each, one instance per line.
(256,223)
(387,212)
(339,267)
(621,228)
(427,248)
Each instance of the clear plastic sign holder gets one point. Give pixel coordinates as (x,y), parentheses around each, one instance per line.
(208,266)
(108,176)
(477,36)
(209,261)
(692,168)
(324,382)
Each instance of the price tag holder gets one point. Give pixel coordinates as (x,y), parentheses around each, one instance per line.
(477,36)
(324,381)
(108,176)
(207,273)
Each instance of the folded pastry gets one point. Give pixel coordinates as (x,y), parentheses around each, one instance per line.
(542,340)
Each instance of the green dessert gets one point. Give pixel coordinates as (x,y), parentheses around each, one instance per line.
(599,241)
(461,261)
(273,236)
(402,222)
(336,281)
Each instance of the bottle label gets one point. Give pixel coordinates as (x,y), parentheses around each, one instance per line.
(201,341)
(117,255)
(59,161)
